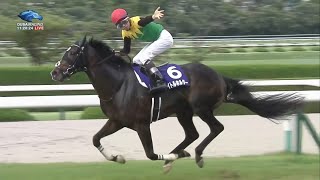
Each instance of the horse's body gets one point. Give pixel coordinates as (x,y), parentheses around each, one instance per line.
(130,99)
(127,103)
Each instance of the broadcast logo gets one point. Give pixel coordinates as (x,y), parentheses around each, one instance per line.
(28,16)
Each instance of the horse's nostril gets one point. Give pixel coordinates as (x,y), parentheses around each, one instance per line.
(53,73)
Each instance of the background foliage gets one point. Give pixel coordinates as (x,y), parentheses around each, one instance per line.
(191,17)
(69,20)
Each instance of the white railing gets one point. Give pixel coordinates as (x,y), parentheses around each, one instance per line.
(93,100)
(300,82)
(216,41)
(49,101)
(82,87)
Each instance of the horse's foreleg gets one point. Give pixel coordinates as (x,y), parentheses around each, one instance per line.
(191,134)
(146,140)
(109,128)
(215,129)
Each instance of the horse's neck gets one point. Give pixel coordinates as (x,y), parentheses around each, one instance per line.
(106,80)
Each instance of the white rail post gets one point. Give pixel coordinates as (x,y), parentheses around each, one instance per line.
(288,135)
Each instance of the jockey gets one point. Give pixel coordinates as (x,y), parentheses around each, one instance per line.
(144,29)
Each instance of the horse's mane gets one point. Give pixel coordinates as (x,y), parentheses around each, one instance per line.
(104,50)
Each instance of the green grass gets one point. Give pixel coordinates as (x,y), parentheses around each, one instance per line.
(266,56)
(40,75)
(15,61)
(268,167)
(96,113)
(178,56)
(45,116)
(268,71)
(258,61)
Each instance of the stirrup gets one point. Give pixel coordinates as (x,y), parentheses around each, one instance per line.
(158,88)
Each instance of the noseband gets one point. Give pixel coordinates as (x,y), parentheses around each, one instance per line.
(75,67)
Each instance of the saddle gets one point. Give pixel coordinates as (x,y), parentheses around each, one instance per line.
(173,75)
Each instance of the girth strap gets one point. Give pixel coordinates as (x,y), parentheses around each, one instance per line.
(155,108)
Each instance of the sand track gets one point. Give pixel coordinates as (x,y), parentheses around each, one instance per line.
(71,141)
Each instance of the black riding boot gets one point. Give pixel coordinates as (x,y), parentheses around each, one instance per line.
(157,83)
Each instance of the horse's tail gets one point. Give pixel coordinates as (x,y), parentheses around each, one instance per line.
(268,106)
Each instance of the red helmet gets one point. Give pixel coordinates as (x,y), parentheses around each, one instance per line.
(117,15)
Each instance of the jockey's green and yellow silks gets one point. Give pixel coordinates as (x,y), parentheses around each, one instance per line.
(149,33)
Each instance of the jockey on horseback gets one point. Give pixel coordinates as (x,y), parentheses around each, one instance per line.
(144,29)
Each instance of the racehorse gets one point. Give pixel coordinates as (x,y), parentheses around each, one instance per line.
(127,103)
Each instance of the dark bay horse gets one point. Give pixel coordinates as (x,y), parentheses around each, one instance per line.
(127,103)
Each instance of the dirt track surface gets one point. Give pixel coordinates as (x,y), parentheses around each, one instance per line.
(71,141)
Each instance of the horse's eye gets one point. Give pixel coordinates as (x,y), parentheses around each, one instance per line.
(57,64)
(74,52)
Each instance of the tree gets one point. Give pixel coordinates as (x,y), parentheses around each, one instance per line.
(306,17)
(36,42)
(7,29)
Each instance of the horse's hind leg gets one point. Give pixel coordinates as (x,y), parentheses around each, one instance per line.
(215,129)
(191,134)
(109,128)
(144,133)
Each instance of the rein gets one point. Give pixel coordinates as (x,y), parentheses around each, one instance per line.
(106,58)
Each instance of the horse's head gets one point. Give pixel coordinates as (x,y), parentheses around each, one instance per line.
(71,62)
(80,56)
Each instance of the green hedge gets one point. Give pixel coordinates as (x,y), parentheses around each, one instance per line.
(15,52)
(220,50)
(260,49)
(234,109)
(269,71)
(241,50)
(93,113)
(279,49)
(33,75)
(8,115)
(298,48)
(315,48)
(41,75)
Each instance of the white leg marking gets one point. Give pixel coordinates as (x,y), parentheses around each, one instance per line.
(104,153)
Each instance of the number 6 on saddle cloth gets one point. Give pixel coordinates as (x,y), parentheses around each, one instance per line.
(173,76)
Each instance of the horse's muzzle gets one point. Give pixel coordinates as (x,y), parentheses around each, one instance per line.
(56,76)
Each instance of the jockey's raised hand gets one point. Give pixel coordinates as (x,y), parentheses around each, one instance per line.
(158,13)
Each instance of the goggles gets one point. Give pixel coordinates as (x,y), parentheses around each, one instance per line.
(122,23)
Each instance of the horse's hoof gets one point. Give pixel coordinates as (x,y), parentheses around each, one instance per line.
(167,168)
(199,161)
(120,159)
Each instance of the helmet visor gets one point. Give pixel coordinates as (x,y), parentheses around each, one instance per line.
(122,23)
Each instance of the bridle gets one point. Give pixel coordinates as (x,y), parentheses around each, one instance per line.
(76,66)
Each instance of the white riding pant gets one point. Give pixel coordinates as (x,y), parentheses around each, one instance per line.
(164,42)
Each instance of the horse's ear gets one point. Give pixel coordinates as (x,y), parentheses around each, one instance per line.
(84,40)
